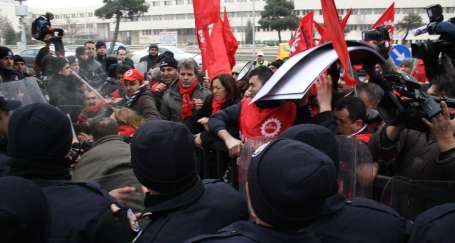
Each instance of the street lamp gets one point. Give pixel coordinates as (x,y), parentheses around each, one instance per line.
(22,12)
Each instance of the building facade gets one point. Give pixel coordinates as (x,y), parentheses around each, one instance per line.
(177,15)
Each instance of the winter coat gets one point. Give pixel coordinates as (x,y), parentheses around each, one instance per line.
(109,164)
(171,103)
(143,104)
(152,61)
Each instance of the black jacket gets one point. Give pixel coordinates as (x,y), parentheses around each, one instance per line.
(75,209)
(435,225)
(64,92)
(203,209)
(7,75)
(152,61)
(360,220)
(249,232)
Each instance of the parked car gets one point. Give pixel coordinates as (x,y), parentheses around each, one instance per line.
(29,55)
(179,54)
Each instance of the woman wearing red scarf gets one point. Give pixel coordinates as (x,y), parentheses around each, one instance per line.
(185,95)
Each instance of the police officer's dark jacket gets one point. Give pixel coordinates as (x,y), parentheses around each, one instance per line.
(203,209)
(249,232)
(359,220)
(437,224)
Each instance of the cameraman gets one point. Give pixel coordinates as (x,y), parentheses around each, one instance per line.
(379,39)
(419,155)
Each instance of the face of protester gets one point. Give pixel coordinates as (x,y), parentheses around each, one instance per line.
(168,74)
(66,70)
(121,55)
(101,51)
(20,66)
(405,69)
(218,90)
(131,86)
(345,125)
(235,75)
(254,85)
(89,99)
(91,50)
(153,51)
(273,68)
(6,63)
(75,66)
(84,56)
(186,76)
(369,103)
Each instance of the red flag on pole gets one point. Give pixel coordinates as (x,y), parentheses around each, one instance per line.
(387,18)
(303,38)
(346,18)
(229,40)
(335,31)
(206,12)
(217,58)
(321,29)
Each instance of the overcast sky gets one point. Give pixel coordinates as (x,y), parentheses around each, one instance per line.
(62,3)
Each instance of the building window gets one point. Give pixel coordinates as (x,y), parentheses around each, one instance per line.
(167,3)
(155,3)
(179,2)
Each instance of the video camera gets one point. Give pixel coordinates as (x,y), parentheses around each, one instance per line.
(42,30)
(381,35)
(429,51)
(406,102)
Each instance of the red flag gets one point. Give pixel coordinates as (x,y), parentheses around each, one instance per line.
(335,31)
(386,19)
(321,29)
(229,40)
(206,12)
(346,18)
(303,38)
(217,58)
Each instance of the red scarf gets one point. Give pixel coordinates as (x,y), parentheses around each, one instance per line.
(126,131)
(96,108)
(216,104)
(187,103)
(267,122)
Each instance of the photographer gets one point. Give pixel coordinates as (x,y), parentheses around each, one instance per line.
(421,155)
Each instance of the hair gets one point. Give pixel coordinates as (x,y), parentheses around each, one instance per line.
(121,69)
(121,48)
(263,74)
(89,42)
(355,107)
(374,91)
(102,126)
(72,59)
(228,82)
(189,64)
(445,80)
(129,117)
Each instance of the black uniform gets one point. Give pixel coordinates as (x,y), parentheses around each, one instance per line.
(249,232)
(205,208)
(7,75)
(435,225)
(359,220)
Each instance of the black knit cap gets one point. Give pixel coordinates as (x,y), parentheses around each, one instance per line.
(39,138)
(162,156)
(24,211)
(167,60)
(5,52)
(288,182)
(100,44)
(317,136)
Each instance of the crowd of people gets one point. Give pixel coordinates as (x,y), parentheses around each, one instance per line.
(119,155)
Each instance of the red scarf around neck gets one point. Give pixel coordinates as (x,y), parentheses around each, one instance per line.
(187,103)
(216,104)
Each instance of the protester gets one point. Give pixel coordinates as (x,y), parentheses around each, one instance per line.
(122,57)
(93,107)
(101,53)
(119,89)
(74,64)
(7,72)
(275,65)
(39,139)
(108,162)
(168,75)
(5,107)
(152,58)
(91,70)
(266,119)
(128,122)
(21,67)
(351,117)
(236,71)
(407,65)
(371,94)
(24,212)
(137,96)
(185,96)
(178,204)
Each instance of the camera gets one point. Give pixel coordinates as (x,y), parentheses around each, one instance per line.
(42,30)
(430,51)
(406,102)
(380,33)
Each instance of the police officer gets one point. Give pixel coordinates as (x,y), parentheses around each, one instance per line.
(7,72)
(39,139)
(435,225)
(282,207)
(5,107)
(341,220)
(178,204)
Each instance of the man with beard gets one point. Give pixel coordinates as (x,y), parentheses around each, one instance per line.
(168,72)
(152,58)
(101,53)
(93,107)
(90,68)
(7,72)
